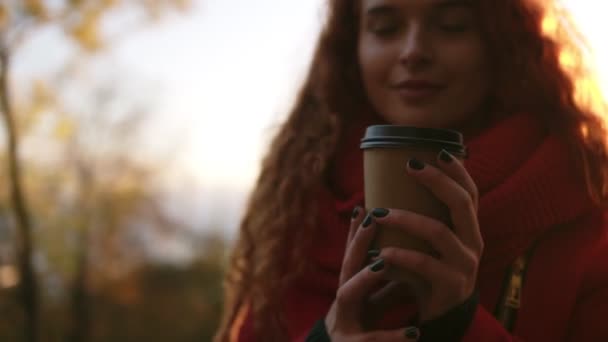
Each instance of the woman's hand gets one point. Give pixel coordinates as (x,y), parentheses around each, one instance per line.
(344,320)
(452,275)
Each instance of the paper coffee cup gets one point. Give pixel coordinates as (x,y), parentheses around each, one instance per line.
(386,151)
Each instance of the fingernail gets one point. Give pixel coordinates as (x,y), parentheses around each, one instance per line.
(380,212)
(415,164)
(367,221)
(372,253)
(445,156)
(355,213)
(412,333)
(377,266)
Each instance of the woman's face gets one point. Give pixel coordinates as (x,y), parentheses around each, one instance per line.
(422,61)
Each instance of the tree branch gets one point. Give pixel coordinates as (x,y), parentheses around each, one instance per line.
(28,286)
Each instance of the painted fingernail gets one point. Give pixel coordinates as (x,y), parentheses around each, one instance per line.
(377,266)
(372,253)
(380,212)
(368,221)
(415,164)
(412,333)
(445,156)
(355,212)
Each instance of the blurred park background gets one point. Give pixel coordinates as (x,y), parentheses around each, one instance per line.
(131,135)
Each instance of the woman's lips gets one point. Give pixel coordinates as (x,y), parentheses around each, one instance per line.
(417,90)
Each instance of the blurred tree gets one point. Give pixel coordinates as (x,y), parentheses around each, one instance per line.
(80,19)
(164,302)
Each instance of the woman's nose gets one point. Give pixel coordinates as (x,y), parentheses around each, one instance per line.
(415,51)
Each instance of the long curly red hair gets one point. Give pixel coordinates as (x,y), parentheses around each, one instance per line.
(538,67)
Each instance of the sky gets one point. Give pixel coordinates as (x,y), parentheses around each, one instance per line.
(230,70)
(233,66)
(221,77)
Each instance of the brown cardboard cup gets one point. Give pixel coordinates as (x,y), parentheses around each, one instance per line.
(386,150)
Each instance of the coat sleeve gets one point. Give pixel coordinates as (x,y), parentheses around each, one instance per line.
(486,328)
(588,324)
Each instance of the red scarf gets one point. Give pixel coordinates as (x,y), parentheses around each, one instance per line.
(528,185)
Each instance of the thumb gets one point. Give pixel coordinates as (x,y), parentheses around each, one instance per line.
(409,334)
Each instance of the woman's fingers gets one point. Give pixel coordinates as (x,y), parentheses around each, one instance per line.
(422,264)
(356,251)
(438,235)
(352,295)
(430,269)
(355,220)
(459,201)
(455,169)
(391,295)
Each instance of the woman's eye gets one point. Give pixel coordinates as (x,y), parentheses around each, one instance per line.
(454,21)
(454,27)
(385,30)
(383,27)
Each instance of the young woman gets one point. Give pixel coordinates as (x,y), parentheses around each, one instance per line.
(527,259)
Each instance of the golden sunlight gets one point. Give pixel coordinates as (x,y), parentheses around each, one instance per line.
(577,58)
(8,276)
(550,24)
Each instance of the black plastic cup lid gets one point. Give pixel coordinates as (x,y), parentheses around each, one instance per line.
(392,136)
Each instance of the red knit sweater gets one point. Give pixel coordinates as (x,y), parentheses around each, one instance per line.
(530,190)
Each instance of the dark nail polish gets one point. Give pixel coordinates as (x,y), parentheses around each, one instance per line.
(380,212)
(445,157)
(355,212)
(412,333)
(377,266)
(415,164)
(372,253)
(368,221)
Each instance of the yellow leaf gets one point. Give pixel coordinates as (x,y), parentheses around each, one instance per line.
(76,3)
(64,129)
(154,8)
(36,8)
(110,3)
(41,100)
(41,91)
(183,5)
(157,8)
(4,16)
(86,32)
